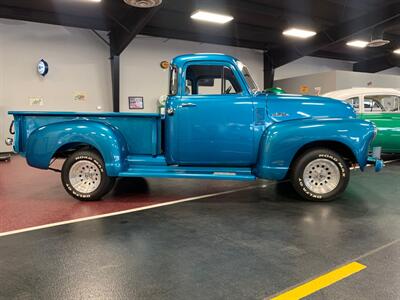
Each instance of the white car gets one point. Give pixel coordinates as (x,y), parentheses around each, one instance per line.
(369,100)
(379,105)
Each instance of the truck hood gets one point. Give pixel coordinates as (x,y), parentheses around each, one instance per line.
(285,107)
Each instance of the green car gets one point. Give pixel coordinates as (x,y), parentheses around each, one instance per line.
(379,105)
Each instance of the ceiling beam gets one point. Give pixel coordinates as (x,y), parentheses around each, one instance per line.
(126,29)
(340,32)
(355,4)
(337,55)
(253,8)
(202,38)
(377,64)
(9,12)
(170,21)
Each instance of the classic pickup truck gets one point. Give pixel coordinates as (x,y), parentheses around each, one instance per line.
(217,125)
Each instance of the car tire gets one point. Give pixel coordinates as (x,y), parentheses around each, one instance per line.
(319,175)
(84,177)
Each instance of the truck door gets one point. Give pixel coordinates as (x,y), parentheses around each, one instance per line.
(213,118)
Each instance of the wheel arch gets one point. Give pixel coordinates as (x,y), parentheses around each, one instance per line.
(282,143)
(67,149)
(341,148)
(61,139)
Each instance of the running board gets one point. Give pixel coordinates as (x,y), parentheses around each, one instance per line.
(242,174)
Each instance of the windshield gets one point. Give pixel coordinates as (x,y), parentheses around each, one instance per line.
(173,81)
(247,76)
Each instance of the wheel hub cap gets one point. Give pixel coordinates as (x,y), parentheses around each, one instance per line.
(321,176)
(85,176)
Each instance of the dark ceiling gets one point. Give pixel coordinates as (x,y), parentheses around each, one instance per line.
(257,24)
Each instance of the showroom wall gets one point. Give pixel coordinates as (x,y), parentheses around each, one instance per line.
(2,108)
(78,66)
(141,74)
(80,69)
(336,80)
(313,65)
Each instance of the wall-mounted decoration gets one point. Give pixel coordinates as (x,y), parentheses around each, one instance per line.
(164,65)
(80,96)
(304,89)
(136,102)
(43,67)
(33,101)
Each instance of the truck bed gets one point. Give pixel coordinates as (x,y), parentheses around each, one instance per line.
(142,132)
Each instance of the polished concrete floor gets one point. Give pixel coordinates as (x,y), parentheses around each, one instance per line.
(30,197)
(249,244)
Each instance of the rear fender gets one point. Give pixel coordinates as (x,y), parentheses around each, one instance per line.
(282,141)
(44,142)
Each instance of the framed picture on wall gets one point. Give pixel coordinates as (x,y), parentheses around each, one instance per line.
(136,102)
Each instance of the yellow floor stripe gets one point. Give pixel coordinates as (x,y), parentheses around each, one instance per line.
(321,282)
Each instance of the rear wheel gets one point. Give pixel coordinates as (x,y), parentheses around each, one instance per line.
(83,176)
(320,175)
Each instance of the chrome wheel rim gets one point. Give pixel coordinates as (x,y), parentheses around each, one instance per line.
(84,176)
(321,176)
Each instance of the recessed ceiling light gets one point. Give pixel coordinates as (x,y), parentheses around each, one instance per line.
(211,17)
(95,0)
(299,33)
(357,44)
(397,51)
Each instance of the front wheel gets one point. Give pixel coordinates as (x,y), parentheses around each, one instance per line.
(84,178)
(320,175)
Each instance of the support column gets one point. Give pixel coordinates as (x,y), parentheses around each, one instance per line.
(269,71)
(115,78)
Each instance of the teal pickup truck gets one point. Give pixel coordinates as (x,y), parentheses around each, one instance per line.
(217,125)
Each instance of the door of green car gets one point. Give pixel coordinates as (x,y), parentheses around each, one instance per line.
(384,112)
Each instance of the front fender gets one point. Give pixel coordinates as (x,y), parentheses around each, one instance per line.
(281,141)
(45,141)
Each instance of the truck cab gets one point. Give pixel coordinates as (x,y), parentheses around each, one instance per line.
(210,116)
(218,125)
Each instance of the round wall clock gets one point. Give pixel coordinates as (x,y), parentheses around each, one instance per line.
(43,67)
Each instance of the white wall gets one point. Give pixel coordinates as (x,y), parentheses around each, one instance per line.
(337,80)
(78,63)
(311,65)
(346,80)
(325,81)
(141,74)
(3,148)
(391,71)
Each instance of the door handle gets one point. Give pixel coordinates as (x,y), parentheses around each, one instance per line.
(188,104)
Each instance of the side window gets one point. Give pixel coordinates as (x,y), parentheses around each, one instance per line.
(355,102)
(209,86)
(396,104)
(211,80)
(188,87)
(381,103)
